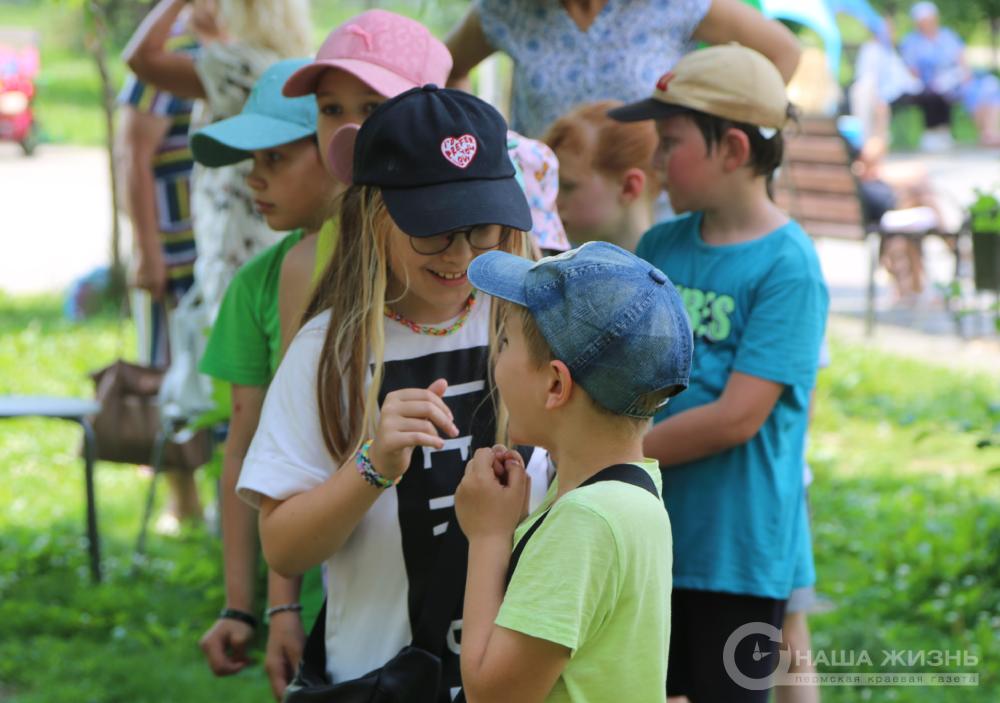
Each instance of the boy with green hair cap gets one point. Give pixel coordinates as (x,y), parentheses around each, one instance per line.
(731,448)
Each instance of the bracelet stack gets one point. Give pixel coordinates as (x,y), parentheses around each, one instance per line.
(368,471)
(241,615)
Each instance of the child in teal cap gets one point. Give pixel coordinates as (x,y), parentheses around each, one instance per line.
(294,192)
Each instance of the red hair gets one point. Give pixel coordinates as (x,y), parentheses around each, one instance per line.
(614,147)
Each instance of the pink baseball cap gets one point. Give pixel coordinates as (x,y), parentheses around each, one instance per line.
(389,52)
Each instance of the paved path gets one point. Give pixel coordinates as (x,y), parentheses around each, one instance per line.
(55,221)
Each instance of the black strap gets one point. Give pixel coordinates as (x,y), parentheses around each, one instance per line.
(626,473)
(444,591)
(313,664)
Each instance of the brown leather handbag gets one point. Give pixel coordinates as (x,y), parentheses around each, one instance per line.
(129,420)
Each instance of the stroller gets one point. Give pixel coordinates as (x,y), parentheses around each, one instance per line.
(18,67)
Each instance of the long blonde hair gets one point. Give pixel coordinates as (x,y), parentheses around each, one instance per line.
(282,26)
(353,289)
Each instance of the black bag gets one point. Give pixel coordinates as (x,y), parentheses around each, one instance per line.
(414,674)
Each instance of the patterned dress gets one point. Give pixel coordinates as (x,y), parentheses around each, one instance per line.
(557,66)
(172,166)
(228,229)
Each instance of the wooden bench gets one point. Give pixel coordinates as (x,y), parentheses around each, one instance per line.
(816,186)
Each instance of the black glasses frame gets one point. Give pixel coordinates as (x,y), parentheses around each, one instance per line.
(504,236)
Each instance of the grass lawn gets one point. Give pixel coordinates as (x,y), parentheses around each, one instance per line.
(906,515)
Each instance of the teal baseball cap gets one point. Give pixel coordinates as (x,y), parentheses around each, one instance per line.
(268,119)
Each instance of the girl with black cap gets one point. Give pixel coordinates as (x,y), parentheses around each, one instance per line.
(385,392)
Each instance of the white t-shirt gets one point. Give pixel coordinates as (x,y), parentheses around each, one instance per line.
(376,581)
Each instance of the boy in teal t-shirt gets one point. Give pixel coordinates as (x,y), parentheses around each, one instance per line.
(583,613)
(294,191)
(731,447)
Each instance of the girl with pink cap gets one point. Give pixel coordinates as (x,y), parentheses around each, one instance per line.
(368,59)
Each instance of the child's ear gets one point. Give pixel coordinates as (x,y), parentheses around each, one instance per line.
(633,185)
(560,386)
(735,148)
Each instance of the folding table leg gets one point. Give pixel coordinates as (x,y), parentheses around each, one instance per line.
(93,539)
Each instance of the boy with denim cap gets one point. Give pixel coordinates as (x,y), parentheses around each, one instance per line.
(593,342)
(731,448)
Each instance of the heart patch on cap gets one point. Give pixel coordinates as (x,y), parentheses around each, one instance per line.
(460,151)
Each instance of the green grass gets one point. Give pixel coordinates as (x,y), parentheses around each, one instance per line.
(906,518)
(906,512)
(133,638)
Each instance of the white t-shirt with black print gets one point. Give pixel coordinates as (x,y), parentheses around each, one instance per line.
(376,582)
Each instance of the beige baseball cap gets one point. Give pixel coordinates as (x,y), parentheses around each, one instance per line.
(727,80)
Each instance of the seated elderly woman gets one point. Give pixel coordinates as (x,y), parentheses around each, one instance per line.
(936,55)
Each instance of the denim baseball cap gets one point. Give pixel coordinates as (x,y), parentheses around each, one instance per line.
(268,119)
(616,321)
(439,157)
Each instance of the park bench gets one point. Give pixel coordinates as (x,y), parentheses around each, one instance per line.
(817,187)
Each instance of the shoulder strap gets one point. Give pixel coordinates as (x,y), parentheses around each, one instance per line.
(313,665)
(445,589)
(626,473)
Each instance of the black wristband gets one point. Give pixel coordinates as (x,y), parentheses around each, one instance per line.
(242,616)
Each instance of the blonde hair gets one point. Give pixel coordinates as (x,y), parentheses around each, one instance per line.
(281,26)
(353,289)
(613,146)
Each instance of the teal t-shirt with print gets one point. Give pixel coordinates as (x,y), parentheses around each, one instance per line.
(595,578)
(757,307)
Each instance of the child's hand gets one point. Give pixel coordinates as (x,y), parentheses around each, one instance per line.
(493,495)
(410,418)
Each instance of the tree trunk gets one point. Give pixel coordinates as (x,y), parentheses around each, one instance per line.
(96,40)
(994,36)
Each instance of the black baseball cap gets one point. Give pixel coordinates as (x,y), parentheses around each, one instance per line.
(440,158)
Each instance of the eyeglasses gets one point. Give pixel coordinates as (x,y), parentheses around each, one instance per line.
(482,238)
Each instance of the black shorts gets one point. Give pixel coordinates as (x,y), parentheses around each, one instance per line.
(700,624)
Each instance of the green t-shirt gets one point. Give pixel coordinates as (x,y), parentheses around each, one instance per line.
(245,344)
(595,577)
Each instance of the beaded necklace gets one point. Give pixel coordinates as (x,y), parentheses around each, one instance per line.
(435,331)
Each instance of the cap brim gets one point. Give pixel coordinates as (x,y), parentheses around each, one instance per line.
(231,140)
(381,80)
(648,109)
(501,275)
(430,210)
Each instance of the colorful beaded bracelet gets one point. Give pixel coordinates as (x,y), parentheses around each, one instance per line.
(367,470)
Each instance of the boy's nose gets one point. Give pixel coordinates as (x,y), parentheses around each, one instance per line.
(256,182)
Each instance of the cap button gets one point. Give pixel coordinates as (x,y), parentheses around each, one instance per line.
(429,87)
(658,276)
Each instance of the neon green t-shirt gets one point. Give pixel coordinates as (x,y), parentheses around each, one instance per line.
(595,577)
(245,344)
(326,244)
